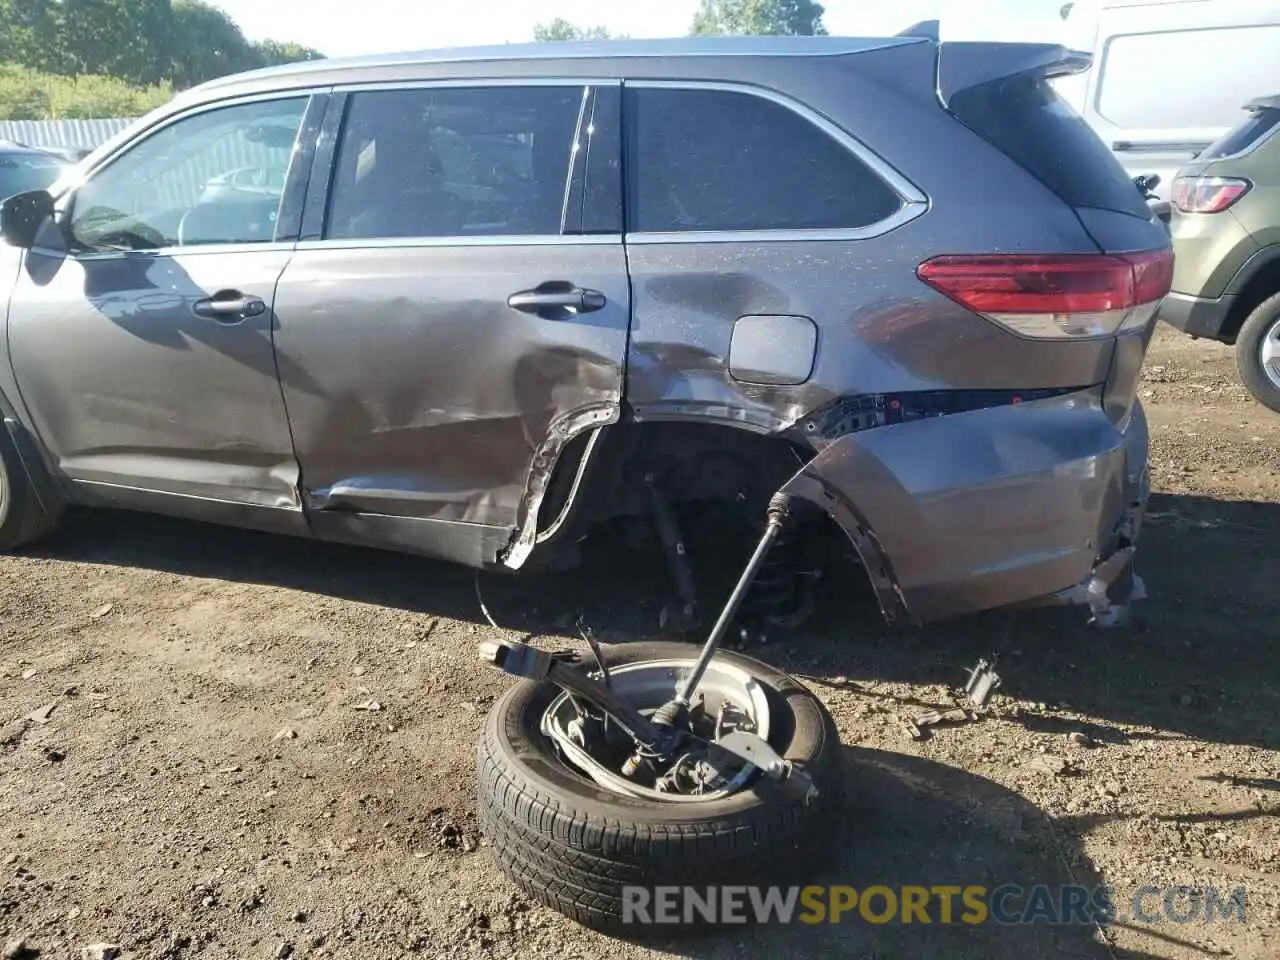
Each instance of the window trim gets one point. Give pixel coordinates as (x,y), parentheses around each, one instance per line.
(914,200)
(299,167)
(606,104)
(326,165)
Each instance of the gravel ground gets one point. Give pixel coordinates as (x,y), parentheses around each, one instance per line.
(206,782)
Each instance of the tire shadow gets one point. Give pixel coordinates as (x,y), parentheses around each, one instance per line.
(914,822)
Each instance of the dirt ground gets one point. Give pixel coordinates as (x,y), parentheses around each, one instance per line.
(205,783)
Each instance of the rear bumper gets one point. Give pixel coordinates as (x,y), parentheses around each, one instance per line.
(991,508)
(1198,316)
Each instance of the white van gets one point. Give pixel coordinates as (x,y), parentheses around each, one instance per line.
(1169,76)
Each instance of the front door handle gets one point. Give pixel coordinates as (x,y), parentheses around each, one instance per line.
(230,307)
(558,297)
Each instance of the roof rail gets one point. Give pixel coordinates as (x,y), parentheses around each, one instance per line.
(927,29)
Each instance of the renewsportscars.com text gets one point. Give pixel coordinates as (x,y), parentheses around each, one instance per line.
(938,904)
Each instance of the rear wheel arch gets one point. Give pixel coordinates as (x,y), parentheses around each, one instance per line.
(1258,281)
(871,553)
(722,461)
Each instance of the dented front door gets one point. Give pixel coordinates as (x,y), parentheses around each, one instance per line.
(444,330)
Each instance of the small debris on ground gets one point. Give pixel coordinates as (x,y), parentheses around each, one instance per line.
(372,706)
(983,682)
(934,717)
(1082,739)
(100,951)
(13,732)
(1056,765)
(44,714)
(288,733)
(102,611)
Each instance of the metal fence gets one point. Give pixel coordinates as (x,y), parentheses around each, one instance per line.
(81,134)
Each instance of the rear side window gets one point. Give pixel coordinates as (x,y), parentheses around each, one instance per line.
(717,160)
(1026,119)
(1244,136)
(454,162)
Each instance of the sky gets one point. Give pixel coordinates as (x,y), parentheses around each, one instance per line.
(352,27)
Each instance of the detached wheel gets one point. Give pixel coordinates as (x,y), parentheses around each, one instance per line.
(1258,353)
(573,842)
(23,517)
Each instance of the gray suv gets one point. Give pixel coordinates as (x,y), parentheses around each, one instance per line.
(505,295)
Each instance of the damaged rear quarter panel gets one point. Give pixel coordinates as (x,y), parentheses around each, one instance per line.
(981,509)
(879,330)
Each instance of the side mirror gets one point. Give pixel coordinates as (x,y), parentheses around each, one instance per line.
(22,216)
(1147,183)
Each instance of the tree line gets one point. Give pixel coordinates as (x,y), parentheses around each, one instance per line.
(757,18)
(112,58)
(85,58)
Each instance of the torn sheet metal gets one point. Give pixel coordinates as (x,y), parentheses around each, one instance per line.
(979,509)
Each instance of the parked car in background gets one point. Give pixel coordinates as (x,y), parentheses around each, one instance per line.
(245,182)
(24,168)
(70,154)
(1169,76)
(1226,236)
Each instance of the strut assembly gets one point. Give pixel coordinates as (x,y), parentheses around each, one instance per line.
(663,729)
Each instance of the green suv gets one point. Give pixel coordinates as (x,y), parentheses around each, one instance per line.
(1226,239)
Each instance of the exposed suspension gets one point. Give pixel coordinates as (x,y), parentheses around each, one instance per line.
(781,596)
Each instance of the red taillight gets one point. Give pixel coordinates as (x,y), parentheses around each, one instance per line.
(1056,296)
(1207,194)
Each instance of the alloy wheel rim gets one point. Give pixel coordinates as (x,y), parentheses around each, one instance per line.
(1269,353)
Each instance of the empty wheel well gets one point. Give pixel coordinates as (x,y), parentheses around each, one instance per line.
(689,463)
(1261,286)
(718,481)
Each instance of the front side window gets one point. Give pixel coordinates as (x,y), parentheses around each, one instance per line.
(717,160)
(213,178)
(455,162)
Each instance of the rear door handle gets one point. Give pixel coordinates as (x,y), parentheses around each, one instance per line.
(230,307)
(557,297)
